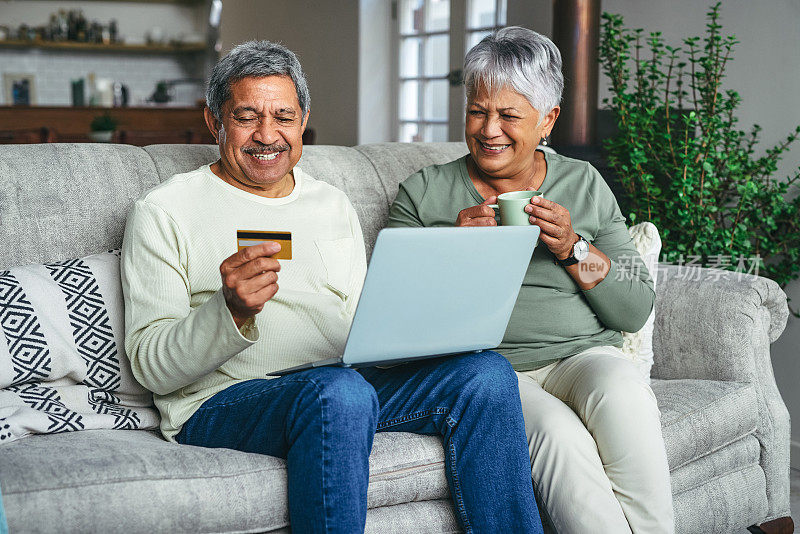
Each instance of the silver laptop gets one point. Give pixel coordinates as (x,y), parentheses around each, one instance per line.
(434,292)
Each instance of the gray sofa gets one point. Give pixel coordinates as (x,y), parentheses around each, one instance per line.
(725,425)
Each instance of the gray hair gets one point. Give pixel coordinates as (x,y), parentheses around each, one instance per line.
(520,59)
(255,59)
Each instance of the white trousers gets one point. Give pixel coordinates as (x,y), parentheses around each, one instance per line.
(594,434)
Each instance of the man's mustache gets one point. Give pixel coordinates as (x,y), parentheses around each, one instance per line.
(266,149)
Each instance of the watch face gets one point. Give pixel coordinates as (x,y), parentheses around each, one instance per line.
(580,250)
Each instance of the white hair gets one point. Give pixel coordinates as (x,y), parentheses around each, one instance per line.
(520,59)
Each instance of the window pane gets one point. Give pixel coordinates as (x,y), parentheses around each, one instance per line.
(480,14)
(436,132)
(409,57)
(501,16)
(437,15)
(435,100)
(409,100)
(411,16)
(474,38)
(409,132)
(437,55)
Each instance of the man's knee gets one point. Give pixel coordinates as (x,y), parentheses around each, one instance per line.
(343,393)
(497,371)
(490,376)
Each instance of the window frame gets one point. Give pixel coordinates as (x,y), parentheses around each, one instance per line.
(458,34)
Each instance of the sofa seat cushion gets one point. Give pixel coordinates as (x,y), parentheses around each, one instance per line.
(56,479)
(426,517)
(702,416)
(739,455)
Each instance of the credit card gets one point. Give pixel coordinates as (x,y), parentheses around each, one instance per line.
(248,238)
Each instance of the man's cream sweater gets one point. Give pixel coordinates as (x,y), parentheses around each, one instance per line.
(180,337)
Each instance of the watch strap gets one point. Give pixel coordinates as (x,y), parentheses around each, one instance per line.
(571,259)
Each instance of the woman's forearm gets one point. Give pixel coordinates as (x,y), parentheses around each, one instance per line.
(592,270)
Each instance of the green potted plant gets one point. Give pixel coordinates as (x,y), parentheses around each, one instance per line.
(682,161)
(102,128)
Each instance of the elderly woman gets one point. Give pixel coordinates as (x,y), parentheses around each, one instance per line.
(594,432)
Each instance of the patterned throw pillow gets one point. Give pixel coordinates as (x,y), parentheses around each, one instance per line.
(638,346)
(62,357)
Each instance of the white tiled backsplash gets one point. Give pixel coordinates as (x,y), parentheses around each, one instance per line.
(54,71)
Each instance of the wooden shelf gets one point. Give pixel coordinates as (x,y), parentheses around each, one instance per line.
(71,124)
(99,47)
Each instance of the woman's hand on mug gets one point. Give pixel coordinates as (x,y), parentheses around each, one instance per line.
(480,215)
(556,226)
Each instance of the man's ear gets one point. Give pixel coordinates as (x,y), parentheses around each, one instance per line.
(305,120)
(212,123)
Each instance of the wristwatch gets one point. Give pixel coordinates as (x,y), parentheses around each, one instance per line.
(580,250)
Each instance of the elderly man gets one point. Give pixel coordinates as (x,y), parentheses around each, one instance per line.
(206,323)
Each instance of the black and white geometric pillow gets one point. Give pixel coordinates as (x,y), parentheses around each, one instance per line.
(62,358)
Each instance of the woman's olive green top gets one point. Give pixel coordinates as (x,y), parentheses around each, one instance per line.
(553,318)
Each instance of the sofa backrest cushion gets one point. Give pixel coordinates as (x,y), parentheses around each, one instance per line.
(62,201)
(394,162)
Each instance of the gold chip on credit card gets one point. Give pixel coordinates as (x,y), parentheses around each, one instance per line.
(248,238)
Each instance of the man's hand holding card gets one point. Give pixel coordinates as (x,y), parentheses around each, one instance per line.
(250,279)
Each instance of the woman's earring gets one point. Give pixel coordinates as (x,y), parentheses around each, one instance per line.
(544,141)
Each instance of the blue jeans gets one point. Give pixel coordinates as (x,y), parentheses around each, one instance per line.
(322,421)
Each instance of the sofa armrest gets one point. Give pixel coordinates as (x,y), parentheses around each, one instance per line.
(715,325)
(718,325)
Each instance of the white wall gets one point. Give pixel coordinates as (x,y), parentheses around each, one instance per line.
(324,35)
(786,359)
(536,15)
(376,71)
